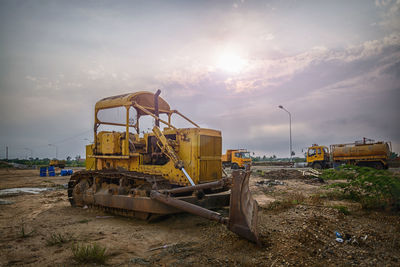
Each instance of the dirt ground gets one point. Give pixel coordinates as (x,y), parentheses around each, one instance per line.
(297,230)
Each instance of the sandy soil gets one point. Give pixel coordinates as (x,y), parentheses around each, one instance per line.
(292,234)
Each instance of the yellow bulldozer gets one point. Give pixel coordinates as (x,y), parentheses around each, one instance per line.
(160,172)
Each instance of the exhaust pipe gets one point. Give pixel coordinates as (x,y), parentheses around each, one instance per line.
(156,112)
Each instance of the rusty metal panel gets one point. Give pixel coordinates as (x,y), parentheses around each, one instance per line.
(148,205)
(210,158)
(243,212)
(188,207)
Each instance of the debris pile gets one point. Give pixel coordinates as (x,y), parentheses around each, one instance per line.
(310,175)
(270,182)
(313,176)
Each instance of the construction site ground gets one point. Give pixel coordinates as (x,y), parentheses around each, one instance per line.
(297,224)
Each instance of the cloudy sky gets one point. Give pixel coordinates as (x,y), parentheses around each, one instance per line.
(227,65)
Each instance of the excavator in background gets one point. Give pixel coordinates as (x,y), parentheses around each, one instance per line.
(236,159)
(366,153)
(165,171)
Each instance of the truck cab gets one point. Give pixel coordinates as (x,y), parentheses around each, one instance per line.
(318,157)
(236,158)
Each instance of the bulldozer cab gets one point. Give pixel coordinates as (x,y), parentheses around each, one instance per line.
(138,104)
(197,150)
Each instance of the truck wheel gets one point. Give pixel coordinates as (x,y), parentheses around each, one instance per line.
(378,165)
(235,166)
(317,165)
(386,167)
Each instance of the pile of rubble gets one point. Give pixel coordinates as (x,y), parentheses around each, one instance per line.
(309,175)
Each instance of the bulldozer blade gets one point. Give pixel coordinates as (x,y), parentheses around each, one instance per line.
(243,212)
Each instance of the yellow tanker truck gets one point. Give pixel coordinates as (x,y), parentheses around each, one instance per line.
(361,153)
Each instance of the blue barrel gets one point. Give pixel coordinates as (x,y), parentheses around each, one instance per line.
(43,171)
(64,172)
(70,172)
(52,171)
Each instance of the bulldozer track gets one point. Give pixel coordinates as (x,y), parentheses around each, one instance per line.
(147,182)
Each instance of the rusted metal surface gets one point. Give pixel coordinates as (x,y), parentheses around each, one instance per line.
(110,191)
(147,204)
(156,107)
(243,212)
(188,207)
(221,183)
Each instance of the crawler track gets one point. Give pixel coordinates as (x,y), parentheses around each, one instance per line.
(84,183)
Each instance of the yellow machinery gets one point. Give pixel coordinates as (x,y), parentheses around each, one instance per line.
(236,158)
(198,148)
(362,153)
(160,172)
(318,157)
(57,163)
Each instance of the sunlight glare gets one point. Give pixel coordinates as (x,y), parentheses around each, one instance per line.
(230,62)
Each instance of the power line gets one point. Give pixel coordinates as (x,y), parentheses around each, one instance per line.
(70,138)
(63,140)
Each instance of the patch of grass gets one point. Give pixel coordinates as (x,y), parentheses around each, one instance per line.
(296,198)
(316,199)
(260,172)
(5,165)
(374,189)
(290,201)
(58,239)
(335,195)
(91,253)
(344,172)
(342,209)
(84,221)
(24,233)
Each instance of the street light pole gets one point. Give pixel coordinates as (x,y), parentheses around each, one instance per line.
(56,150)
(290,130)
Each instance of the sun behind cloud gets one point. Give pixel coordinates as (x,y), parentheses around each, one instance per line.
(231,62)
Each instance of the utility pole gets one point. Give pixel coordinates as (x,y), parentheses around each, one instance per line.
(290,131)
(6,152)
